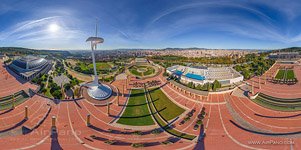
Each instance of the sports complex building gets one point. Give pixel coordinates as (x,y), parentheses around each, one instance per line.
(285,55)
(202,75)
(30,66)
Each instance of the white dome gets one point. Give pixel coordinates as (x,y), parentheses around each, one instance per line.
(100,92)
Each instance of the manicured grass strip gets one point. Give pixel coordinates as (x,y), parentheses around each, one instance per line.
(280,74)
(163,124)
(277,105)
(102,66)
(19,98)
(136,112)
(290,74)
(167,109)
(281,100)
(99,66)
(285,74)
(149,71)
(135,72)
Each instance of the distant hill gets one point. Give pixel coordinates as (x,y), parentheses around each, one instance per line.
(291,49)
(27,51)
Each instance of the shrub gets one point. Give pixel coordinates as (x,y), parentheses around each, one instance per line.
(57,94)
(186,118)
(190,84)
(137,145)
(199,122)
(166,142)
(110,142)
(93,136)
(156,131)
(67,86)
(199,87)
(77,92)
(137,133)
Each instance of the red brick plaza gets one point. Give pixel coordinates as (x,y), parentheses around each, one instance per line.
(230,122)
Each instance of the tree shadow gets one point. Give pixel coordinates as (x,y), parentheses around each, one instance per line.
(113,131)
(14,127)
(292,116)
(114,116)
(265,133)
(141,103)
(77,104)
(7,111)
(132,117)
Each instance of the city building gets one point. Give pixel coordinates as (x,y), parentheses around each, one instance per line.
(3,57)
(202,75)
(30,66)
(141,60)
(285,55)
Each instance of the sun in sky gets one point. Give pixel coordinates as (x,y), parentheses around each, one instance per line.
(53,27)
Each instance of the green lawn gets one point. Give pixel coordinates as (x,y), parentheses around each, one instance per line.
(135,72)
(136,112)
(150,70)
(263,103)
(287,74)
(167,109)
(280,74)
(99,66)
(290,74)
(164,124)
(102,66)
(19,98)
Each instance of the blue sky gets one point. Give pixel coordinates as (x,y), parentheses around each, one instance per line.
(65,24)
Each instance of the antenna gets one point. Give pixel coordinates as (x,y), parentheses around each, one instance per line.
(97,90)
(96,26)
(96,30)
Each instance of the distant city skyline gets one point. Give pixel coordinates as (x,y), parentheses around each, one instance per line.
(151,24)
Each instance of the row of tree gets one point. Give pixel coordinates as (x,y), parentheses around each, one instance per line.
(206,87)
(203,60)
(255,65)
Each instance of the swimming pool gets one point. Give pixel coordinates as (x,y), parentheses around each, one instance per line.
(178,73)
(195,76)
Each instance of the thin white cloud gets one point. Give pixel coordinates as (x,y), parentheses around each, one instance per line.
(36,31)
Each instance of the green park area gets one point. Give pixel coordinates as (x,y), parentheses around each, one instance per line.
(87,68)
(286,74)
(278,104)
(51,84)
(8,102)
(83,69)
(141,70)
(167,109)
(161,114)
(280,74)
(136,112)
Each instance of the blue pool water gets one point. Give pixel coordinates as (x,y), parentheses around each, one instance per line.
(195,76)
(178,73)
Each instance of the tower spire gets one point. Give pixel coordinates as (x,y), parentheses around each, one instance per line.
(96,30)
(96,26)
(97,90)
